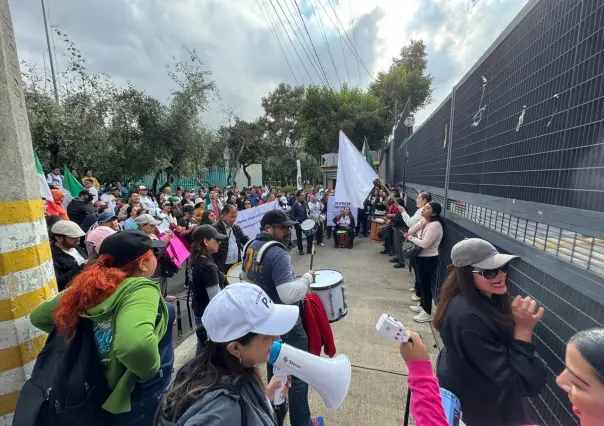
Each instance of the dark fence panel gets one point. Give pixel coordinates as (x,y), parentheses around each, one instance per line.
(549,70)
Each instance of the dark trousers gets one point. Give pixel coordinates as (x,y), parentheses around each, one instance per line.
(388,239)
(318,234)
(299,412)
(350,235)
(328,230)
(425,269)
(299,235)
(362,222)
(144,401)
(398,241)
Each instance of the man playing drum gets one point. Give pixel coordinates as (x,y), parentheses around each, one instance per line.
(267,264)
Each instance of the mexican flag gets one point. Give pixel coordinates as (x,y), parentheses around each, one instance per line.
(44,188)
(71,185)
(366,152)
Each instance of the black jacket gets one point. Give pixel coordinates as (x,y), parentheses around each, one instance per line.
(65,265)
(298,212)
(487,369)
(78,210)
(221,256)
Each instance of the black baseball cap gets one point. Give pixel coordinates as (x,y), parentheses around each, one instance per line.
(128,245)
(204,232)
(277,217)
(188,209)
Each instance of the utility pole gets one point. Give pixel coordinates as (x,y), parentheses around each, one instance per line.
(50,57)
(26,273)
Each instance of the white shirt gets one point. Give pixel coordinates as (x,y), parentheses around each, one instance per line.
(56,180)
(233,251)
(108,198)
(94,193)
(151,205)
(345,221)
(315,208)
(76,255)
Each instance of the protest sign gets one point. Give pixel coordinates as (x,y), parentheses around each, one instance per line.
(249,219)
(335,207)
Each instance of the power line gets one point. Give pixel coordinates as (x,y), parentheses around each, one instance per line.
(354,36)
(277,38)
(310,39)
(291,42)
(306,51)
(348,43)
(344,56)
(320,24)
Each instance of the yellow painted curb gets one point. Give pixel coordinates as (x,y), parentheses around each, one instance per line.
(27,258)
(8,403)
(11,309)
(18,356)
(12,212)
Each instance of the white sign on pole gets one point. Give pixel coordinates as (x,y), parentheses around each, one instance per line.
(336,207)
(299,175)
(249,219)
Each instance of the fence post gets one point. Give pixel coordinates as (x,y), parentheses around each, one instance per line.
(449,150)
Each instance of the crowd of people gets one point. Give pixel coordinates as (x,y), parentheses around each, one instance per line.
(109,259)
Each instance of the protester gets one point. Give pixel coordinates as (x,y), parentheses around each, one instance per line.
(93,242)
(208,218)
(315,210)
(207,278)
(109,198)
(275,274)
(135,201)
(122,190)
(187,223)
(132,212)
(230,249)
(583,377)
(214,205)
(429,239)
(95,182)
(247,204)
(108,219)
(223,386)
(58,198)
(90,221)
(488,360)
(132,324)
(80,207)
(298,213)
(147,200)
(55,178)
(199,209)
(89,185)
(150,226)
(168,221)
(68,258)
(344,221)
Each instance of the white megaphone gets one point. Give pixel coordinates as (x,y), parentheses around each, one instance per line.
(328,376)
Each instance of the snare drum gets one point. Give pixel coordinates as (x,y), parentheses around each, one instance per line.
(343,239)
(309,226)
(329,286)
(235,274)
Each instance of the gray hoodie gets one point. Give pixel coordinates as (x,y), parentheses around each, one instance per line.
(221,407)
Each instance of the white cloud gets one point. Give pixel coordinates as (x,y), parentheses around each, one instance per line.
(133,40)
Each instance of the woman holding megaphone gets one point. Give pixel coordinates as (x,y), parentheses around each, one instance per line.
(222,386)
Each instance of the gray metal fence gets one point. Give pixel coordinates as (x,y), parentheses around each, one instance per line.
(515,155)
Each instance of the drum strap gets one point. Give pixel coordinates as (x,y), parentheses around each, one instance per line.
(263,249)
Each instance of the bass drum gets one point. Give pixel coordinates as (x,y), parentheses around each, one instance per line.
(329,286)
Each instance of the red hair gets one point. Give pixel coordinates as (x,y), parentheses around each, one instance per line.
(90,288)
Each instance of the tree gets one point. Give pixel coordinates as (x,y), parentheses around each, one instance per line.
(405,79)
(325,112)
(245,144)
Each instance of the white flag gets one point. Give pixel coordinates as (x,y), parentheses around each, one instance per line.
(355,176)
(299,176)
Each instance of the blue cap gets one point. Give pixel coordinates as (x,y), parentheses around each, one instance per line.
(275,350)
(104,217)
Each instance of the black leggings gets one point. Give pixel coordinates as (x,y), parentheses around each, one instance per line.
(425,269)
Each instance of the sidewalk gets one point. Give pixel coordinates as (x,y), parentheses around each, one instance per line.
(378,390)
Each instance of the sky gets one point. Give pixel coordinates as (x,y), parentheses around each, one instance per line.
(243,42)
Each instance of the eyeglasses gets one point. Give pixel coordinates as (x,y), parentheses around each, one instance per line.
(489,274)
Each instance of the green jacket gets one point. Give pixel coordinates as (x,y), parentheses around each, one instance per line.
(126,335)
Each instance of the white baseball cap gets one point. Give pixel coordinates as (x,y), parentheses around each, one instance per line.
(243,308)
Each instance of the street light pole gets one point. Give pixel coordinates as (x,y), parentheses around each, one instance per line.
(52,66)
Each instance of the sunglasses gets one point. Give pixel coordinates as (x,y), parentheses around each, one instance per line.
(489,274)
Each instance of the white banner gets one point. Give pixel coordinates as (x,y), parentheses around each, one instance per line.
(299,175)
(249,219)
(355,175)
(335,207)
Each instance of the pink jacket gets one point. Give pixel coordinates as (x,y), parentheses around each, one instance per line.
(426,402)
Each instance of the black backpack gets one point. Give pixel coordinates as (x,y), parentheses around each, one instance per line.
(67,386)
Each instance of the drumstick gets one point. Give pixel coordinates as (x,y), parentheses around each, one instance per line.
(312,254)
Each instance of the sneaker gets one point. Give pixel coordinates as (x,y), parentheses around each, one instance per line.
(398,265)
(423,316)
(317,421)
(416,308)
(416,298)
(411,289)
(321,245)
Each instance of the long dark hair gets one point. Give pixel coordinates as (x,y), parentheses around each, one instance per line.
(204,372)
(205,218)
(198,248)
(590,343)
(436,217)
(461,282)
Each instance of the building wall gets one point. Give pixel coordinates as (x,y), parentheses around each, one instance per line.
(532,184)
